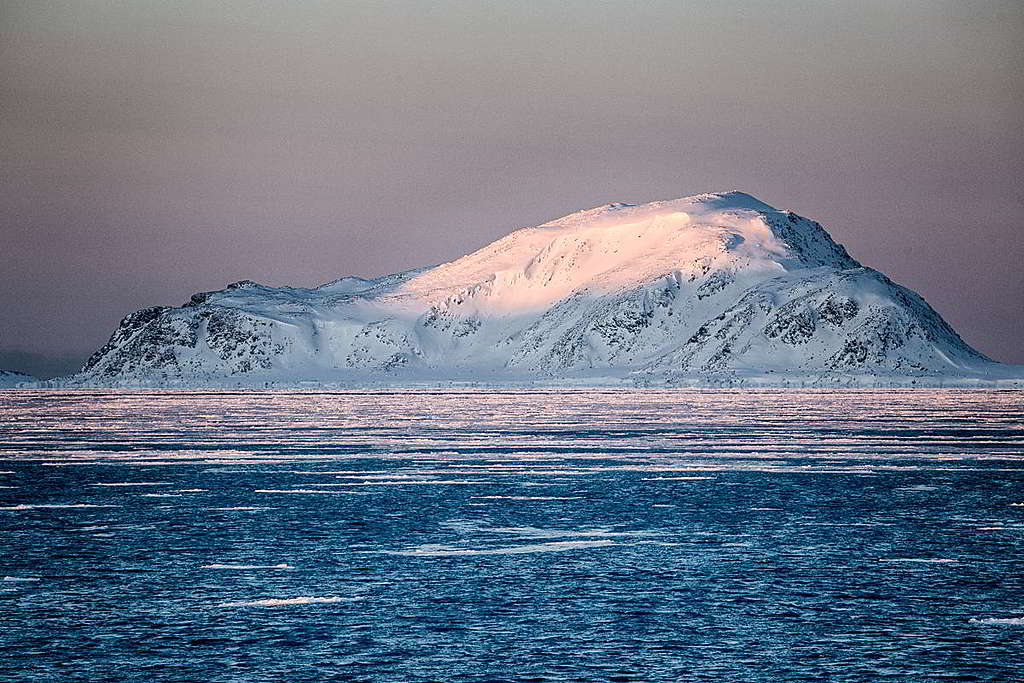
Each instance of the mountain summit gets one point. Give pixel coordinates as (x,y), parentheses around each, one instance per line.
(716,288)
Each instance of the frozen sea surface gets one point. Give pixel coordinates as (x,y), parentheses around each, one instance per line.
(522,536)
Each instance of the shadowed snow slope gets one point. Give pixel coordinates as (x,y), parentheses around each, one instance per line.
(9,378)
(715,287)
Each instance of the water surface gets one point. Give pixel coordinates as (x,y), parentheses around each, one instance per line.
(552,535)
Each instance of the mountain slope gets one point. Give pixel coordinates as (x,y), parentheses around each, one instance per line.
(10,378)
(713,287)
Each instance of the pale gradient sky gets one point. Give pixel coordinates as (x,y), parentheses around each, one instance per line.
(151,150)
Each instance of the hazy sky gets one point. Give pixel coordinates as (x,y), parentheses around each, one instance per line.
(152,149)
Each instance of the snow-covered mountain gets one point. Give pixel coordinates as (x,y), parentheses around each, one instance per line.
(10,378)
(714,287)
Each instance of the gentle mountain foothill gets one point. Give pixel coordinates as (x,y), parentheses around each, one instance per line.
(10,378)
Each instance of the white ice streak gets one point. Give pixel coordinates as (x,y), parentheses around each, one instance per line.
(393,482)
(673,478)
(999,621)
(247,566)
(433,550)
(536,532)
(311,491)
(339,472)
(411,482)
(528,497)
(282,602)
(928,560)
(133,483)
(48,506)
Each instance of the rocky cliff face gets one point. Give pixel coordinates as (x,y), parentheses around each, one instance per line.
(714,287)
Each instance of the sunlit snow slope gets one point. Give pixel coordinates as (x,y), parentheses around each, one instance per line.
(710,288)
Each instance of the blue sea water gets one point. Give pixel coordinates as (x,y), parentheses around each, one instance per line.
(682,535)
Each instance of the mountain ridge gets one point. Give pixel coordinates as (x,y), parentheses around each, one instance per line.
(710,288)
